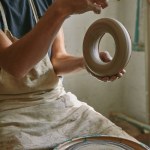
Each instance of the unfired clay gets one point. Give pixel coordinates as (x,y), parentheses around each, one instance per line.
(90,47)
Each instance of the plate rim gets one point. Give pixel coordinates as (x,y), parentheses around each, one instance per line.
(114,139)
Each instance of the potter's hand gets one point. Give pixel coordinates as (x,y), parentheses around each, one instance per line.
(105,56)
(81,6)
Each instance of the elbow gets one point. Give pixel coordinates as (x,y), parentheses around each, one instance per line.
(56,67)
(15,68)
(19,72)
(57,71)
(16,73)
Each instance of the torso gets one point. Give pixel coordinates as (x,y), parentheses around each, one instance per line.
(42,76)
(20,17)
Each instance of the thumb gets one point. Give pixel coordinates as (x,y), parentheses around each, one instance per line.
(94,7)
(105,56)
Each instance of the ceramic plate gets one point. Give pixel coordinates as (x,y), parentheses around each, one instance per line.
(100,143)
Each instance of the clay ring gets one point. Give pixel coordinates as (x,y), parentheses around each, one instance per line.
(90,47)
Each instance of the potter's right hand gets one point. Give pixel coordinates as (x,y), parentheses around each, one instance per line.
(81,6)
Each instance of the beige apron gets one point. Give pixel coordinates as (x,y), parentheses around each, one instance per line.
(36,112)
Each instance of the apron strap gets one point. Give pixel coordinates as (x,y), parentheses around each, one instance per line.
(3,17)
(6,29)
(31,2)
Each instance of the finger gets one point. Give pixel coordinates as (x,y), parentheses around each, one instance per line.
(105,56)
(100,78)
(103,3)
(94,7)
(105,79)
(97,8)
(113,78)
(123,71)
(119,75)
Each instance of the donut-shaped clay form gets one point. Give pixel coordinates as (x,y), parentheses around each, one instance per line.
(91,52)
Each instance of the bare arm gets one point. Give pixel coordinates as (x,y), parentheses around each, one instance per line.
(63,62)
(19,58)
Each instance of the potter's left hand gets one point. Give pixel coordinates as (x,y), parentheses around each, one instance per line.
(105,56)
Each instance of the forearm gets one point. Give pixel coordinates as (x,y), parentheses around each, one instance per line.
(20,57)
(67,64)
